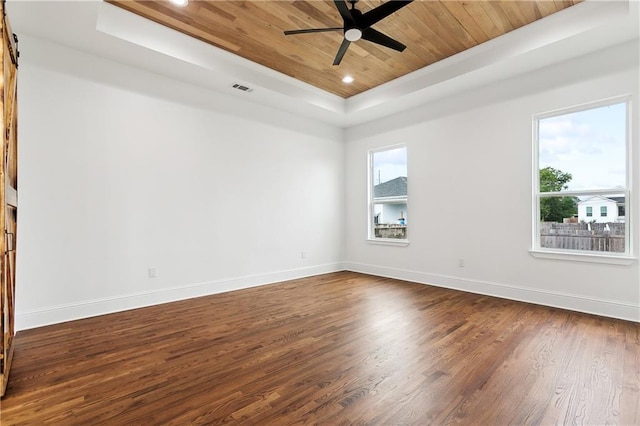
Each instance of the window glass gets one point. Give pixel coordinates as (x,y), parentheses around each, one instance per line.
(584,150)
(582,166)
(388,194)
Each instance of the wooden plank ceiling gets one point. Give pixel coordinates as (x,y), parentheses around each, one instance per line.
(431,29)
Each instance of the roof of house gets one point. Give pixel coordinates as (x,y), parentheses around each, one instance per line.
(394,188)
(617,200)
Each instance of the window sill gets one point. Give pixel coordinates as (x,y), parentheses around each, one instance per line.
(388,242)
(610,259)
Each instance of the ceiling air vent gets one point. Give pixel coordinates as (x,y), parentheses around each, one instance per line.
(243,88)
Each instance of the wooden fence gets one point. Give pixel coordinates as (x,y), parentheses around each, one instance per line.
(398,232)
(611,243)
(585,237)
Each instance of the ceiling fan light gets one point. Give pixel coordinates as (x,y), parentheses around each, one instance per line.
(353,34)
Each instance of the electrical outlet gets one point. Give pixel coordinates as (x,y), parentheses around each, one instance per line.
(153,272)
(303,254)
(461,263)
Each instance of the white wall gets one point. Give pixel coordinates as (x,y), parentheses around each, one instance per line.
(114,181)
(473,154)
(391,213)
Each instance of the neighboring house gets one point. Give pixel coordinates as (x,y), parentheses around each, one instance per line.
(390,200)
(601,209)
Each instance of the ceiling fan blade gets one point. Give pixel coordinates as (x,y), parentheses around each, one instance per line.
(312,30)
(382,39)
(344,12)
(343,49)
(374,15)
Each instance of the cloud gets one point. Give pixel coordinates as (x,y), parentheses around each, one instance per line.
(396,156)
(390,164)
(588,144)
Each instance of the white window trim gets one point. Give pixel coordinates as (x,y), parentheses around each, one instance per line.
(626,258)
(371,239)
(577,256)
(388,242)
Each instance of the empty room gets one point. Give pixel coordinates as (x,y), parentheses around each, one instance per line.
(320,212)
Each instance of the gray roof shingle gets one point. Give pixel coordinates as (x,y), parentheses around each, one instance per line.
(394,188)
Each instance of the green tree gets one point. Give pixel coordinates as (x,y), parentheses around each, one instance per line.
(554,209)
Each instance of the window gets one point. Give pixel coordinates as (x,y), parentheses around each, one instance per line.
(581,163)
(388,219)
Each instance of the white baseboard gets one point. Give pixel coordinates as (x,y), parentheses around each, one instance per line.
(92,308)
(573,302)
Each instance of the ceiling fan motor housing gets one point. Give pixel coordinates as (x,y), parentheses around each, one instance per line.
(352,30)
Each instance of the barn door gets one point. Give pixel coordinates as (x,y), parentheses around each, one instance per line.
(8,194)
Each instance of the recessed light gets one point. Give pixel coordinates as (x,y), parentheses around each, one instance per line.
(180,3)
(347,79)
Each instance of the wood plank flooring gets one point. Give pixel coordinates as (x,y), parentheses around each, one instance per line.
(341,348)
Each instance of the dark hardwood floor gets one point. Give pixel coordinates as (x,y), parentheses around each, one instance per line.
(341,348)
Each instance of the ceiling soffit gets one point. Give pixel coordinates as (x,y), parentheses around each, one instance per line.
(432,30)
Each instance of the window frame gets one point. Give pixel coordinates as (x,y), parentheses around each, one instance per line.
(623,258)
(371,238)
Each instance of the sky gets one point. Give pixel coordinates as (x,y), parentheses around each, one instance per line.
(588,144)
(390,164)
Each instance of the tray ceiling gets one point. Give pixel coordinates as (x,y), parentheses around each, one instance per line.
(432,30)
